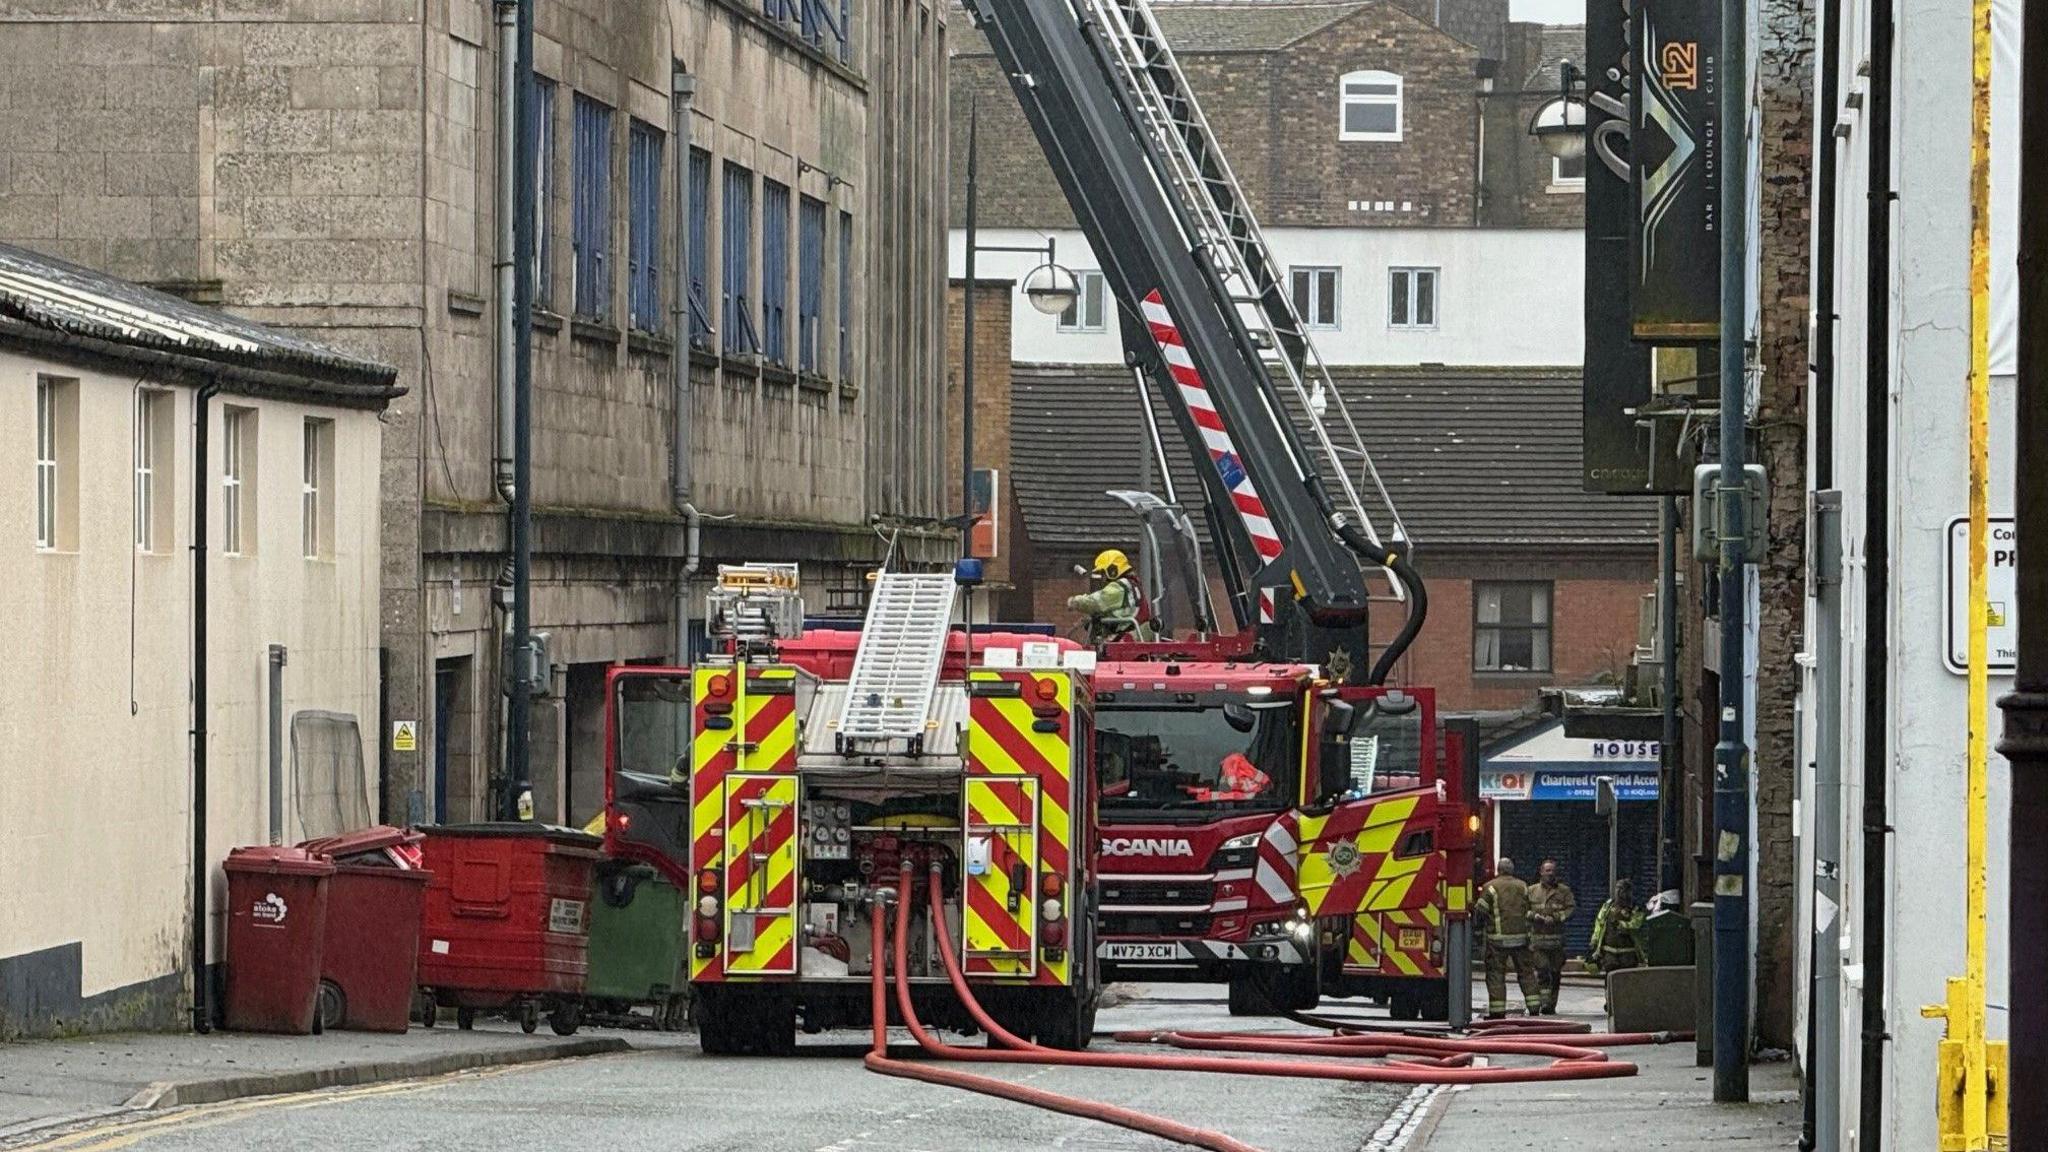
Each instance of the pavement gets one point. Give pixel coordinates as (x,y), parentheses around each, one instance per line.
(1668,1104)
(60,1083)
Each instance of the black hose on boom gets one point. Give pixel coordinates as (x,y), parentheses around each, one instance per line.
(1418,597)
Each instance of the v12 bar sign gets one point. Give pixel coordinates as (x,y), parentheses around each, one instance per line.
(1676,145)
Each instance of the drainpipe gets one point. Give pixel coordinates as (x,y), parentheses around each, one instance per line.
(277,657)
(684,87)
(507,18)
(1877,417)
(202,868)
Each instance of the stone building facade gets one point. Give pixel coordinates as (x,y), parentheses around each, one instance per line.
(330,166)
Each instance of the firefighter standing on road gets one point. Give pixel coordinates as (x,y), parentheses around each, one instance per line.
(1614,932)
(1550,907)
(1116,609)
(1503,911)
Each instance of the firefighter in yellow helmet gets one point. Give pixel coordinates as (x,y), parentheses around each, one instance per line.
(1115,607)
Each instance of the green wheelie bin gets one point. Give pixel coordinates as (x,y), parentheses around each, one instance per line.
(636,948)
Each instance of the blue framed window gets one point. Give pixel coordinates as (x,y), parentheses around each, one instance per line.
(544,193)
(736,259)
(810,284)
(699,243)
(643,255)
(593,209)
(846,297)
(775,271)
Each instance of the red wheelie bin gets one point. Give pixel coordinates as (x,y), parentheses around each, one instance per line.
(374,905)
(277,919)
(507,924)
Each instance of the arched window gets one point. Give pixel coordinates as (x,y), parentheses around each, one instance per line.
(1370,106)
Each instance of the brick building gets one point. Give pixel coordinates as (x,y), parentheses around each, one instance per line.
(330,166)
(1532,582)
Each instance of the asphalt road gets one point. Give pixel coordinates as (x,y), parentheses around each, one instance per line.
(673,1098)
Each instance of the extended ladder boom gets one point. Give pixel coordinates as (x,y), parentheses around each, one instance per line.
(1179,248)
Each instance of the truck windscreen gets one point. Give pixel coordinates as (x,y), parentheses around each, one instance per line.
(1189,759)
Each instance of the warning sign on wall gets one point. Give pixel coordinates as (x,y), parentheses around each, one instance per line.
(2002,559)
(405,735)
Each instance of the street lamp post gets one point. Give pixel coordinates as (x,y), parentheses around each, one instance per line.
(1051,289)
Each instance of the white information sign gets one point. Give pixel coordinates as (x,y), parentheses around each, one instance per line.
(2002,596)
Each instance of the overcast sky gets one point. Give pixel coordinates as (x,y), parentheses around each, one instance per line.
(1549,11)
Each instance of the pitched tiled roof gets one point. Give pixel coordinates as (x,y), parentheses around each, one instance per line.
(51,298)
(1472,456)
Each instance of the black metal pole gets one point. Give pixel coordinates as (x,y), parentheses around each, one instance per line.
(2025,740)
(202,865)
(1731,755)
(967,350)
(1670,785)
(1875,882)
(519,716)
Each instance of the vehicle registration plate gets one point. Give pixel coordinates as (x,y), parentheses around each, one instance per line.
(1115,951)
(1413,939)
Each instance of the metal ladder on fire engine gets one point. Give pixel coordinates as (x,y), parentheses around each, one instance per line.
(1213,208)
(902,651)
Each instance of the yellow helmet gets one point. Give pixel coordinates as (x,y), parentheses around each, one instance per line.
(1112,564)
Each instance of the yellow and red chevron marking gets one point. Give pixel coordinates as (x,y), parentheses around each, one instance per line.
(1349,861)
(1395,943)
(755,733)
(761,874)
(999,941)
(1003,742)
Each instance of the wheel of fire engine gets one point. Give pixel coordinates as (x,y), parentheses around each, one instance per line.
(1297,988)
(1436,1003)
(1405,1004)
(529,1018)
(465,1018)
(425,1010)
(1065,1019)
(720,1029)
(566,1018)
(1247,999)
(776,1024)
(333,1004)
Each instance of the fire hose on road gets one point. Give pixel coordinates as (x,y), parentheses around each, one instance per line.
(1409,1059)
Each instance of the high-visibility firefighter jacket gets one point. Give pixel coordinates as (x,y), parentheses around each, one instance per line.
(1550,905)
(1614,936)
(1503,908)
(1114,610)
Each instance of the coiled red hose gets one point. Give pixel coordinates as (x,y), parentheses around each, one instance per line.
(1569,1063)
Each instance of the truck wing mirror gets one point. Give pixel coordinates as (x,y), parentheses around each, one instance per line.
(1338,718)
(1239,717)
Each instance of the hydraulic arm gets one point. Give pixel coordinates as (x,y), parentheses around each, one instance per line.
(1181,253)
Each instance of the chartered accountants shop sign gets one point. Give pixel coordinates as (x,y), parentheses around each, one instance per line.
(1573,784)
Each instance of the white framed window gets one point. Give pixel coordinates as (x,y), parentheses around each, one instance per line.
(1086,313)
(316,491)
(1315,295)
(56,464)
(1369,106)
(237,488)
(153,473)
(1411,298)
(1568,173)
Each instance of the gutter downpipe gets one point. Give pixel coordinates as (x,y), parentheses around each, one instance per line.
(1876,879)
(683,87)
(506,13)
(202,870)
(1821,1096)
